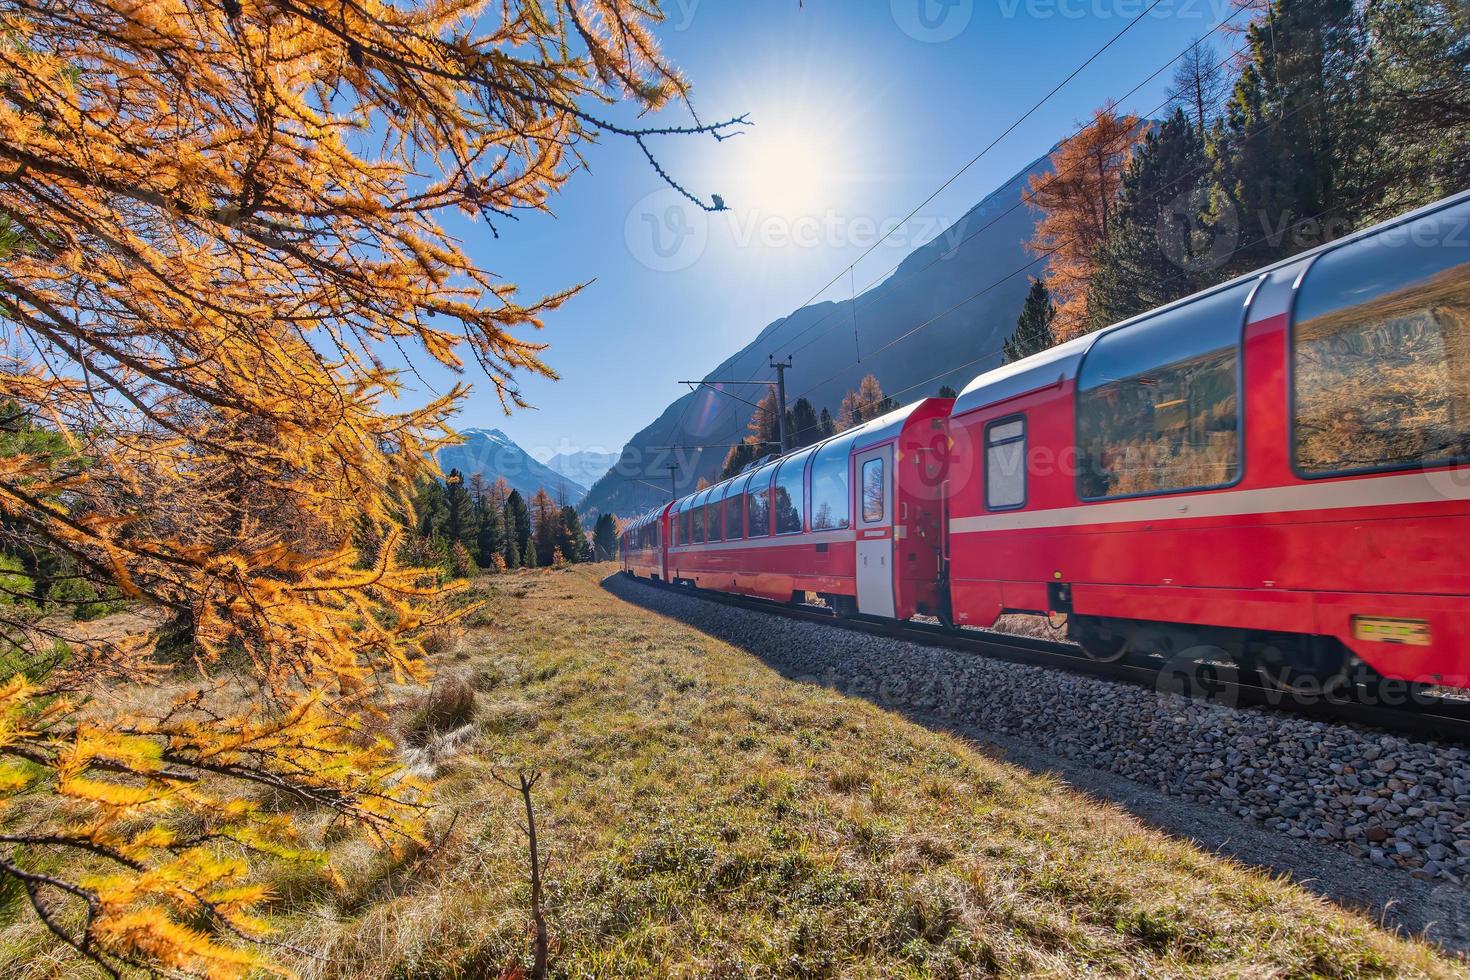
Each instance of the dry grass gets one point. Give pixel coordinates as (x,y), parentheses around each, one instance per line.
(703,816)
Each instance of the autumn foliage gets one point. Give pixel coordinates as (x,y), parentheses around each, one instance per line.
(215,217)
(1076,198)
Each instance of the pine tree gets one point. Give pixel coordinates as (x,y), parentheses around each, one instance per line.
(1201,83)
(945,391)
(605,538)
(490,531)
(546,526)
(828,427)
(1296,156)
(804,427)
(431,506)
(517,527)
(1162,244)
(528,556)
(460,525)
(1034,326)
(572,542)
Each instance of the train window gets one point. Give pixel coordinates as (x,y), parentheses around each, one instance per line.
(831,502)
(758,503)
(1158,403)
(1381,351)
(1005,463)
(698,518)
(790,493)
(873,490)
(716,510)
(735,509)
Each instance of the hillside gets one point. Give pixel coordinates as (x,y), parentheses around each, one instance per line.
(493,454)
(928,310)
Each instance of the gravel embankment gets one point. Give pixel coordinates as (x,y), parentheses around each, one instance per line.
(1392,801)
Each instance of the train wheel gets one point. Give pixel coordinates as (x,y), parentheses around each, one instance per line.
(843,606)
(1303,667)
(1100,642)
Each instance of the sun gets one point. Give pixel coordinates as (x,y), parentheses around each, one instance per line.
(785,169)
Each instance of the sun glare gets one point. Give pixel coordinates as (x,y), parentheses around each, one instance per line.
(787,171)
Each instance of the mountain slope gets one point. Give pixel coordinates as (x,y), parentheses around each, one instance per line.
(585,467)
(493,454)
(940,318)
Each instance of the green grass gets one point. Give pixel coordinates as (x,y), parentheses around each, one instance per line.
(701,816)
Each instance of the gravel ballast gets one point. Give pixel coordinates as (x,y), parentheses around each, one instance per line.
(1396,803)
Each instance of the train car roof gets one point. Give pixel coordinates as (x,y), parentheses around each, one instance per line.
(1060,363)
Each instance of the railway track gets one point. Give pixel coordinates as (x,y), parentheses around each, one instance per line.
(1423,716)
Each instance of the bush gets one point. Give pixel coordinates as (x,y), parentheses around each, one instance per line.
(461,564)
(449,703)
(15,584)
(80,599)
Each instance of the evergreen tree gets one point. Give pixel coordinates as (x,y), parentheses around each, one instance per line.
(573,542)
(1162,244)
(945,391)
(804,428)
(546,530)
(1034,326)
(528,556)
(490,532)
(430,506)
(605,538)
(1296,156)
(828,427)
(517,528)
(460,525)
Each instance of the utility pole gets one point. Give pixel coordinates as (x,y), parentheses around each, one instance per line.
(781,367)
(673,469)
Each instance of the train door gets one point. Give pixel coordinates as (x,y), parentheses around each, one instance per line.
(875,531)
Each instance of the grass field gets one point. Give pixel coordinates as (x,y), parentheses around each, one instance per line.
(701,816)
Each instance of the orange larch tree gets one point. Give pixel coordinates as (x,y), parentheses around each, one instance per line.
(213,216)
(1076,197)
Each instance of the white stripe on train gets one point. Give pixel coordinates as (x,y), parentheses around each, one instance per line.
(1384,491)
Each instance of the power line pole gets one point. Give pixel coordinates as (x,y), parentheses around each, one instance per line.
(781,367)
(673,469)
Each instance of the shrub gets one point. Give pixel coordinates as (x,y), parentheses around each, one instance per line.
(15,584)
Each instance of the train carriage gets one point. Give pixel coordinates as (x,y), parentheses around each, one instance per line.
(1276,469)
(1273,468)
(855,519)
(642,548)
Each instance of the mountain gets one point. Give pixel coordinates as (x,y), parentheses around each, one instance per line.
(586,467)
(940,318)
(492,454)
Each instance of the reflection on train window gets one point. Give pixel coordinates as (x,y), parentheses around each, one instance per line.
(789,493)
(716,511)
(699,520)
(758,511)
(831,502)
(1158,404)
(873,491)
(1005,464)
(1382,381)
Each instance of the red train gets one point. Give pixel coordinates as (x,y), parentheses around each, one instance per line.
(1278,467)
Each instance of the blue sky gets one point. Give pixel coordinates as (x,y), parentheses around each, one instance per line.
(861,109)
